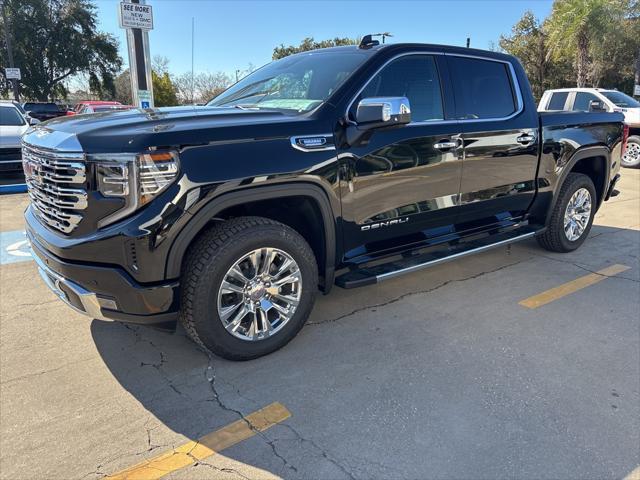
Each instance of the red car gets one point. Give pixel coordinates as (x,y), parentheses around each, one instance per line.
(93,106)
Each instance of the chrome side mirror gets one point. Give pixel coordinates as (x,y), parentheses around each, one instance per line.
(33,121)
(376,112)
(597,106)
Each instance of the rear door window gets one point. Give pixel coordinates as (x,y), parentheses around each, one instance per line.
(482,88)
(557,101)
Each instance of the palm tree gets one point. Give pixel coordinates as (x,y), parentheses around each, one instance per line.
(575,24)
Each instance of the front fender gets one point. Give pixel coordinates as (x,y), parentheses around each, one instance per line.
(210,210)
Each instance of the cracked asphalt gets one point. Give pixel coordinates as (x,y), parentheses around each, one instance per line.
(438,374)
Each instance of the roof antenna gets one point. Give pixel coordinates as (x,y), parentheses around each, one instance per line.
(468,42)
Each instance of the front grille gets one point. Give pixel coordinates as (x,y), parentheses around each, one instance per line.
(56,184)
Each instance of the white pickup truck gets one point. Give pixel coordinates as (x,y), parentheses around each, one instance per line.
(600,100)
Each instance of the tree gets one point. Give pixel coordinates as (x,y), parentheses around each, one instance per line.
(205,86)
(56,39)
(576,26)
(528,42)
(310,44)
(123,88)
(164,93)
(164,90)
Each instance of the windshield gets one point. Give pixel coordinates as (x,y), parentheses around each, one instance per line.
(621,100)
(298,83)
(9,116)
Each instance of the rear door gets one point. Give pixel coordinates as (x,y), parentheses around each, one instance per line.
(403,184)
(500,141)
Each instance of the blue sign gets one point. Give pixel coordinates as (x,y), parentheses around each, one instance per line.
(144,104)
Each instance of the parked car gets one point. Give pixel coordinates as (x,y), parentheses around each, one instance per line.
(600,100)
(344,166)
(82,107)
(43,110)
(13,124)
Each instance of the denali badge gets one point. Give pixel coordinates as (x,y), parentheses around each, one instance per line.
(388,223)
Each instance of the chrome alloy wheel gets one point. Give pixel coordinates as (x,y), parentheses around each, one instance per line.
(631,154)
(577,214)
(259,294)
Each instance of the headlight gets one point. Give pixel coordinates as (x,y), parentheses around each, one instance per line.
(137,179)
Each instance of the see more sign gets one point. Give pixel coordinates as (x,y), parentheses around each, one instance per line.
(134,15)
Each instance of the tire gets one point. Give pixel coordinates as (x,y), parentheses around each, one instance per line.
(203,298)
(555,239)
(631,158)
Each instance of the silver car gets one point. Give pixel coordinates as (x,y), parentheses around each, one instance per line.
(13,124)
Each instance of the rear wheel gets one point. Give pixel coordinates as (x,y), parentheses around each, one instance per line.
(572,215)
(249,286)
(631,157)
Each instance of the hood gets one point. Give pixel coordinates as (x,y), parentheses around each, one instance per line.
(631,116)
(11,136)
(137,129)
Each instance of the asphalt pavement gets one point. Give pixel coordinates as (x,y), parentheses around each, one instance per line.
(516,363)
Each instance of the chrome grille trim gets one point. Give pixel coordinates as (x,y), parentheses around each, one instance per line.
(53,181)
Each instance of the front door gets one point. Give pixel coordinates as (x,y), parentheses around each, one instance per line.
(402,186)
(500,142)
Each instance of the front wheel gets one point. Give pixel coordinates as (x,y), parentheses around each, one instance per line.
(249,285)
(631,157)
(572,215)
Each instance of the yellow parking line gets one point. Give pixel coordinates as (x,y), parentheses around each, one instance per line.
(572,286)
(214,442)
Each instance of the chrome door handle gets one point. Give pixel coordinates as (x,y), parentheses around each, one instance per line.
(445,145)
(525,139)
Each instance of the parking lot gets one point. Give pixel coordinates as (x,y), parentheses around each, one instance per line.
(516,363)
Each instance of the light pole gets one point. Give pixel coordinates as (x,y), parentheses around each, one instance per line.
(7,40)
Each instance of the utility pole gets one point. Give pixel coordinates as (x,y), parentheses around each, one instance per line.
(7,40)
(193,27)
(384,35)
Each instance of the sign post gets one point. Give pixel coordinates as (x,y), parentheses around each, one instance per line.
(13,73)
(137,17)
(7,39)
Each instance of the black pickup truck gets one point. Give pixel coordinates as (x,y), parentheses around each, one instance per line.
(343,166)
(44,111)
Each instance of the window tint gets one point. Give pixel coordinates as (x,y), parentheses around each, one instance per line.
(557,101)
(482,88)
(414,77)
(10,116)
(581,103)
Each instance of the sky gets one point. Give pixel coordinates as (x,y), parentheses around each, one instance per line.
(231,35)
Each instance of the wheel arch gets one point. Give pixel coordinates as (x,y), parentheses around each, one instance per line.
(592,161)
(211,211)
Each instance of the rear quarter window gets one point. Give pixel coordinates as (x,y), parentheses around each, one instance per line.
(482,88)
(557,101)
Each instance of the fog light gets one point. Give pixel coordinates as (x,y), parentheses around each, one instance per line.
(108,303)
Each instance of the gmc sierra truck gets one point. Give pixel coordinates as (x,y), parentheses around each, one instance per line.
(344,166)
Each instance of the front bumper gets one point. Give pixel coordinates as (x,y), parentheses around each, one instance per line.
(105,292)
